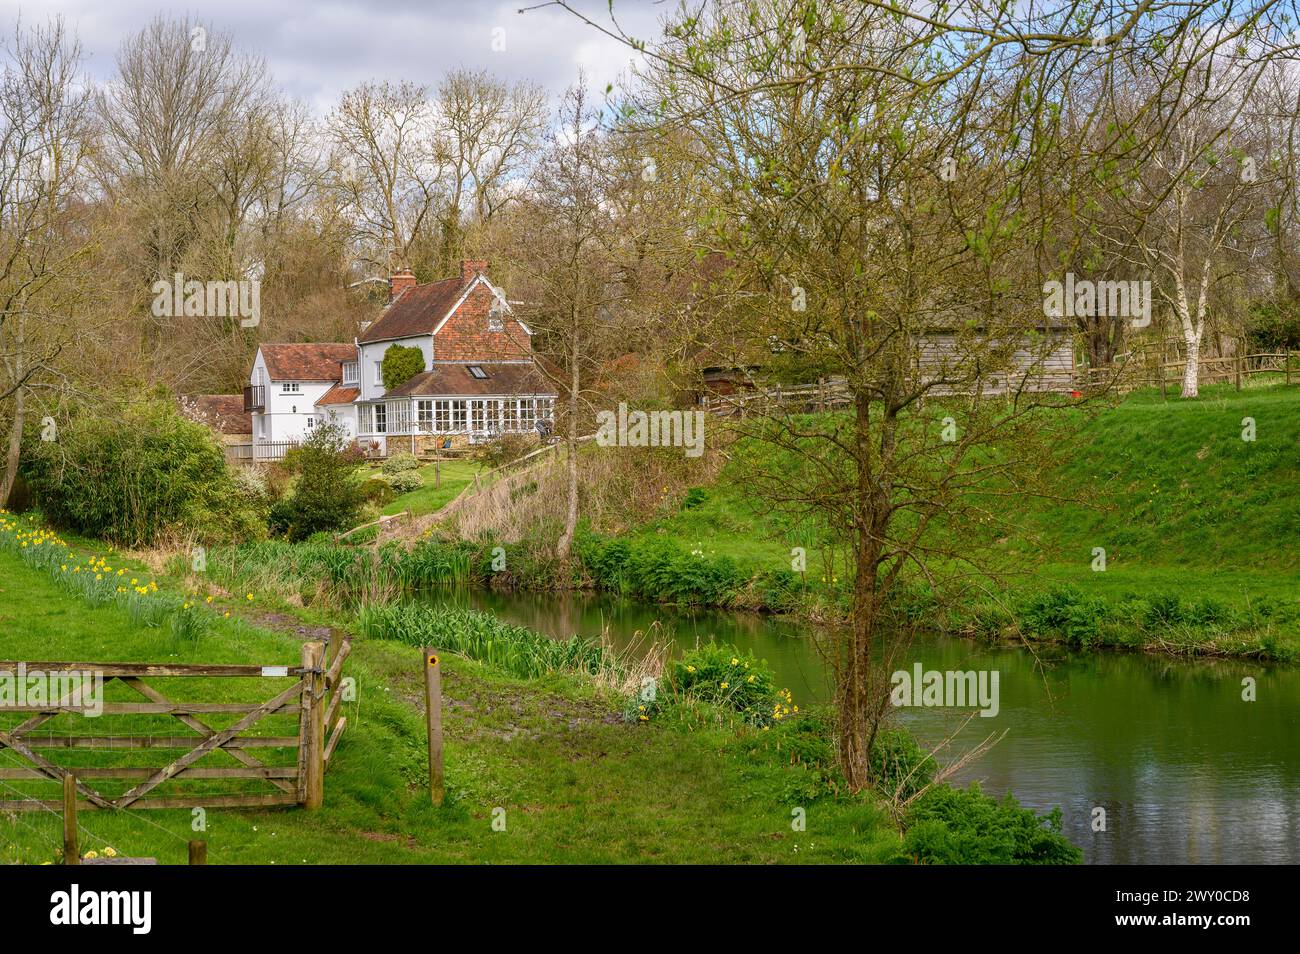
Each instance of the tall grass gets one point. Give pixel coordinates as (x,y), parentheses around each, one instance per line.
(345,577)
(516,650)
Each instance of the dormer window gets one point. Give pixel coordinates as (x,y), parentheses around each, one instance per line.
(496,316)
(476,372)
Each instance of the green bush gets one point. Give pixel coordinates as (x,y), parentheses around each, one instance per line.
(720,674)
(378,491)
(404,481)
(128,473)
(660,570)
(400,364)
(966,827)
(329,493)
(401,462)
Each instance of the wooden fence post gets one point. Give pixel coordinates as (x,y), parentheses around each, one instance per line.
(1237,369)
(433,708)
(70,853)
(1286,364)
(198,852)
(313,724)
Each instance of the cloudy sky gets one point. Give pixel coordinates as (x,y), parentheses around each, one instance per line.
(317,48)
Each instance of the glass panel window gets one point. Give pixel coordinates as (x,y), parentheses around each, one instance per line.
(381,418)
(442,416)
(476,417)
(424,415)
(290,387)
(399,417)
(458,416)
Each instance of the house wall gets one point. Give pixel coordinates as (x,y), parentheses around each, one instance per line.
(1042,369)
(465,336)
(344,414)
(372,382)
(286,414)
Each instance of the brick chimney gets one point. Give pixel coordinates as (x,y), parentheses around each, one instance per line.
(469,268)
(398,282)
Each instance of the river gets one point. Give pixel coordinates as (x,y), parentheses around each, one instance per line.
(1187,772)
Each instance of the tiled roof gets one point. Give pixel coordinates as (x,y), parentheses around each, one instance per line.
(339,395)
(306,362)
(223,413)
(456,381)
(417,311)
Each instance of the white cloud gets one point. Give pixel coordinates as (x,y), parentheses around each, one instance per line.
(316,50)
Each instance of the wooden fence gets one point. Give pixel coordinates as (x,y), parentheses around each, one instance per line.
(1131,372)
(258,452)
(1128,373)
(295,778)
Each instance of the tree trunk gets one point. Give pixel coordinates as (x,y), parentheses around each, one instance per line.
(1191,372)
(565,543)
(12,453)
(858,693)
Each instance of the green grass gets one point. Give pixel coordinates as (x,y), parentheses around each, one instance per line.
(577,783)
(456,475)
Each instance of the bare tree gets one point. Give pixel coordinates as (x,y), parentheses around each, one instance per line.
(391,167)
(44,125)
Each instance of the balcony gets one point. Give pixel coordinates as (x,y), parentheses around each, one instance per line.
(254,397)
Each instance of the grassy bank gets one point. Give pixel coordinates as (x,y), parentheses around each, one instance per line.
(1194,521)
(573,778)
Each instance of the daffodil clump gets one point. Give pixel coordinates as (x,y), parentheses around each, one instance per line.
(720,674)
(101,579)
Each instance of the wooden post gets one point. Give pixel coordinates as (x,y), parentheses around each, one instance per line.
(198,852)
(433,708)
(70,853)
(437,474)
(312,725)
(1286,364)
(1237,368)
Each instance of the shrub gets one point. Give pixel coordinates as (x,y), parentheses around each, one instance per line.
(964,826)
(400,364)
(131,472)
(401,462)
(695,497)
(404,481)
(378,491)
(329,494)
(720,674)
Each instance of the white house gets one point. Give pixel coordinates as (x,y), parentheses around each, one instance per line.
(480,376)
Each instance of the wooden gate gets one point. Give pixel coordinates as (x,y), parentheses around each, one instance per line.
(287,768)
